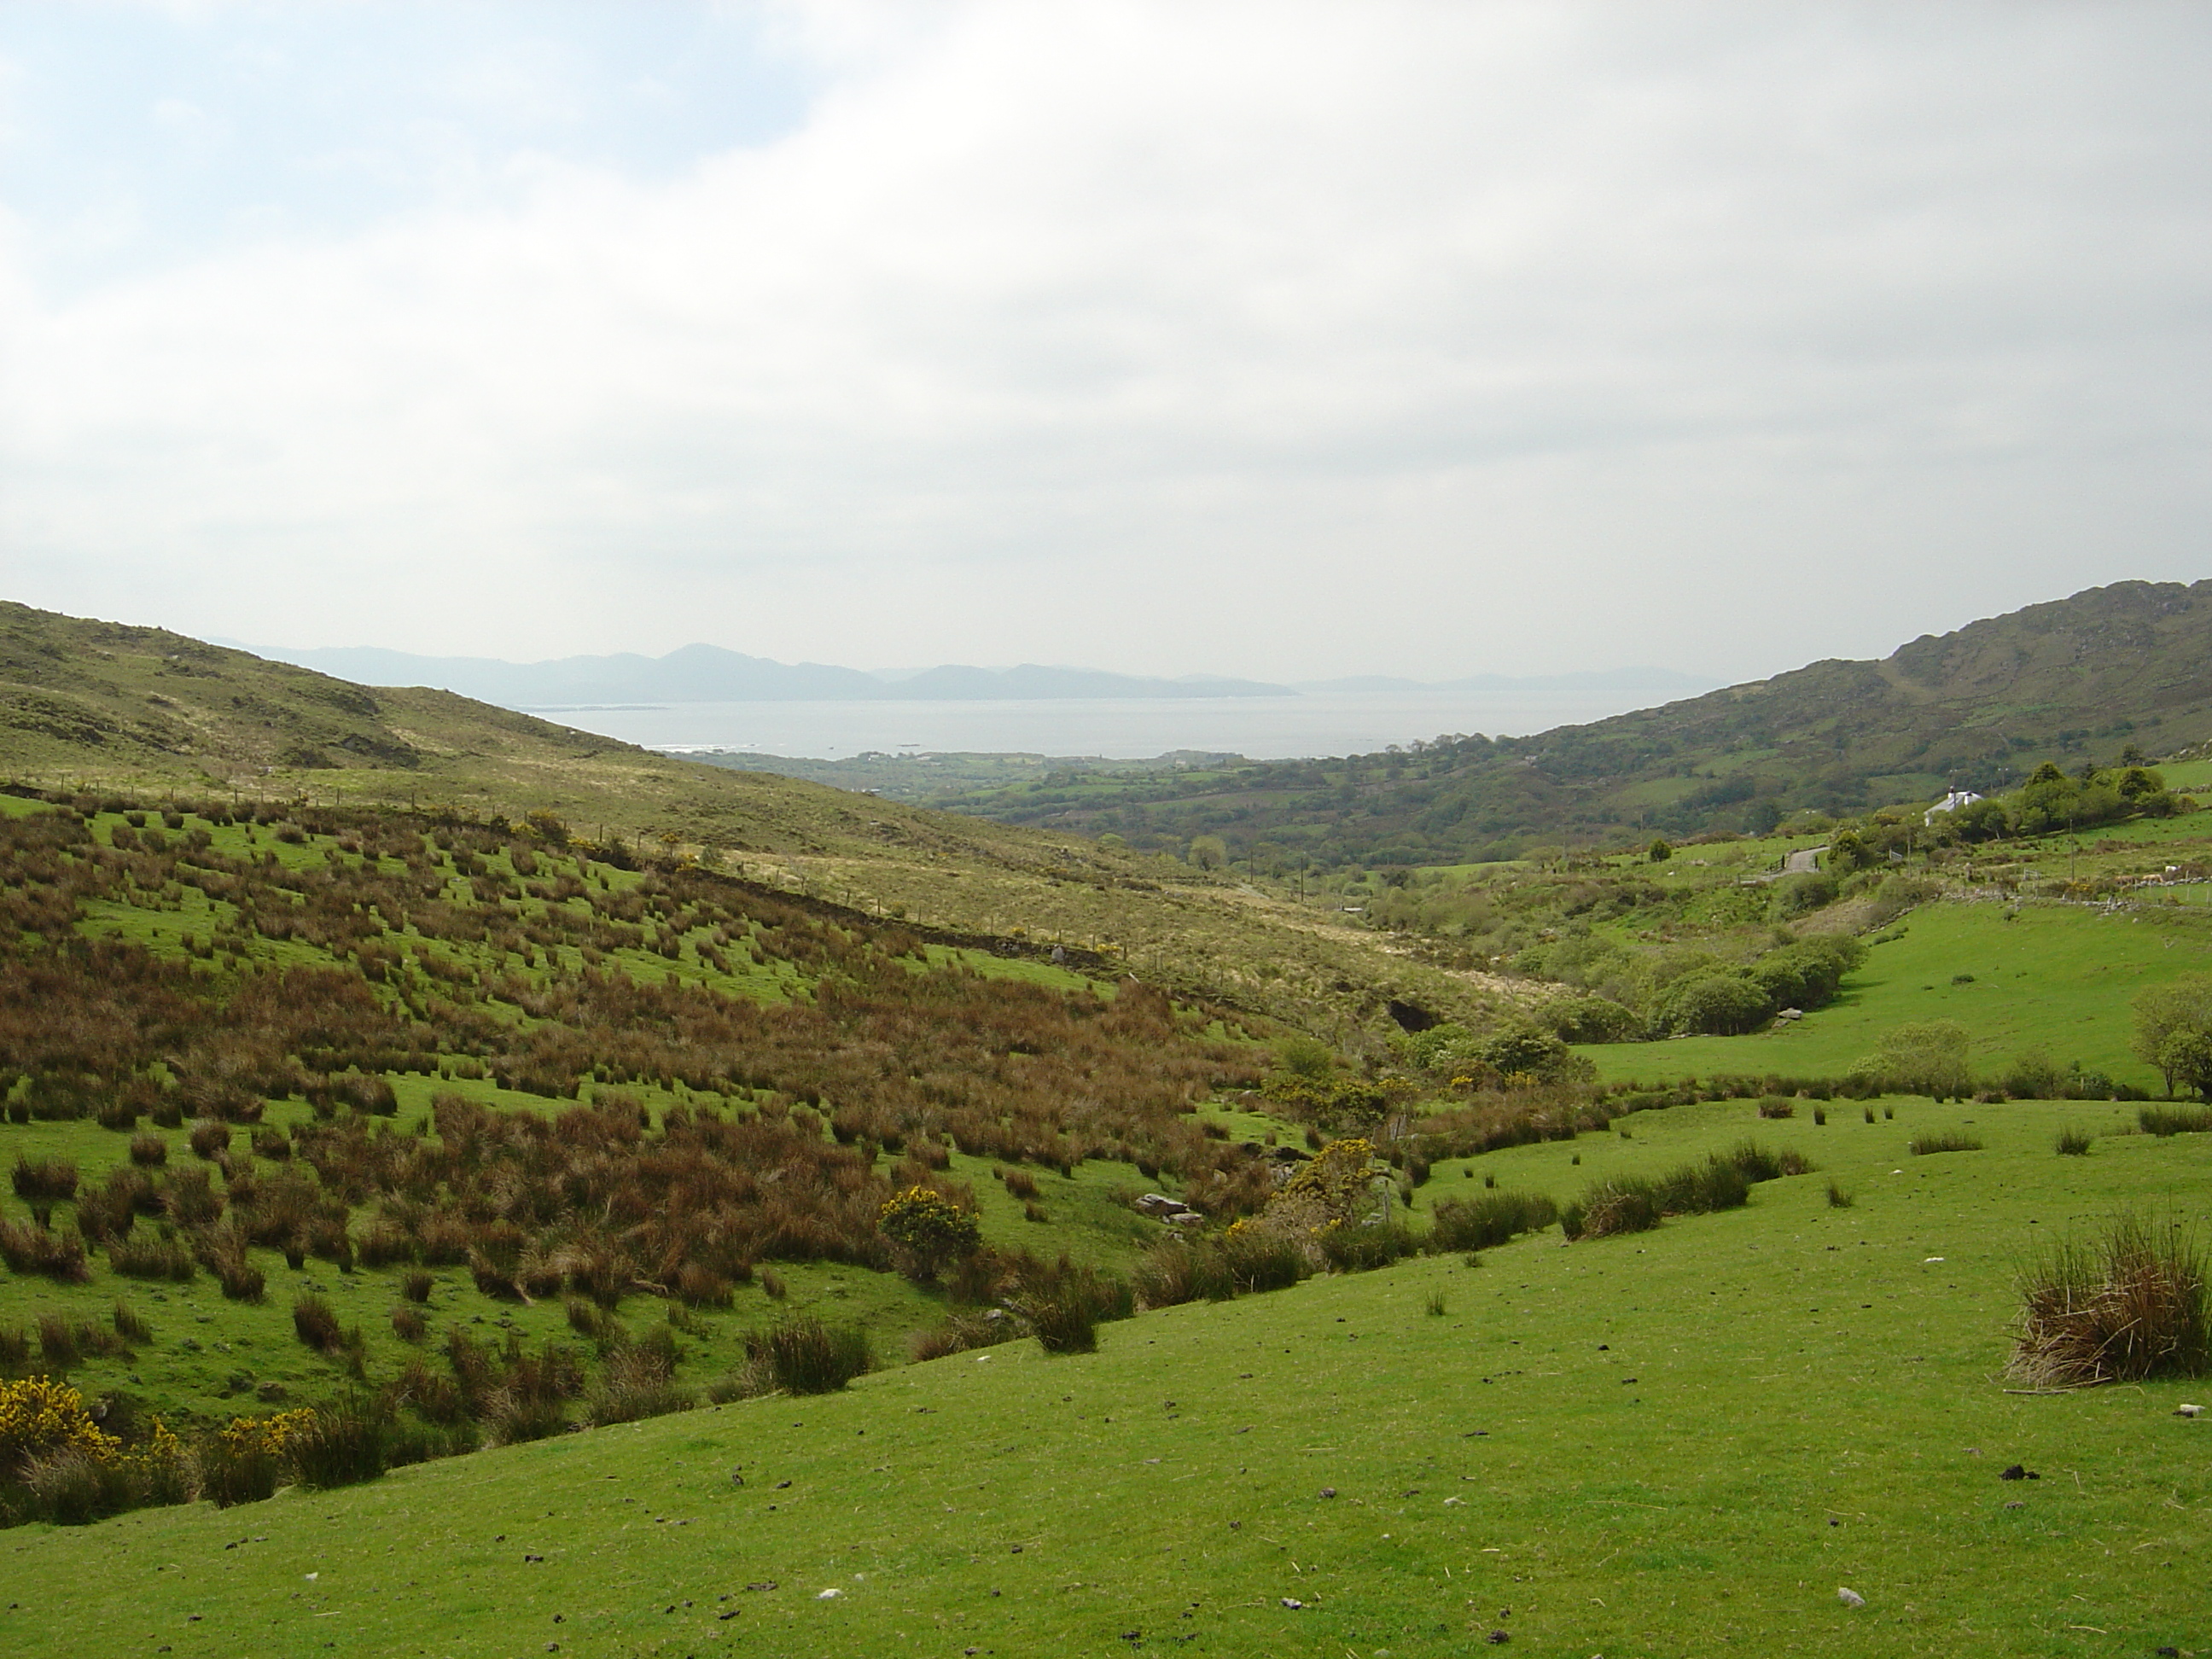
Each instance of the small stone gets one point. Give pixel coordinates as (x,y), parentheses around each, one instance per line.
(1328,1491)
(2189,1411)
(1497,1638)
(2016,1504)
(830,1594)
(1292,1603)
(1850,1598)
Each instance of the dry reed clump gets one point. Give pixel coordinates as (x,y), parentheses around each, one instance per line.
(28,1249)
(962,1332)
(2128,1303)
(635,1383)
(800,1355)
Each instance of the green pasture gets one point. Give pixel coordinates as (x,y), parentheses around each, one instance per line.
(1677,1442)
(2057,977)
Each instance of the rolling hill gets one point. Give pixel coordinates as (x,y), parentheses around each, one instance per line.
(2075,678)
(98,707)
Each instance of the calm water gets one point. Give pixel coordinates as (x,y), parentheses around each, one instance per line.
(1260,728)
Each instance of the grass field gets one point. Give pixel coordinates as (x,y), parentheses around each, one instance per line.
(1681,1442)
(2057,977)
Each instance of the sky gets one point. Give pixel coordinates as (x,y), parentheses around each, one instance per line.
(1285,340)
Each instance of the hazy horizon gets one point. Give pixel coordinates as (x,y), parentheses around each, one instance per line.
(1287,341)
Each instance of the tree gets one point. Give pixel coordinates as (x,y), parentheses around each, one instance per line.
(1660,852)
(929,1229)
(1208,852)
(2181,1007)
(2186,1058)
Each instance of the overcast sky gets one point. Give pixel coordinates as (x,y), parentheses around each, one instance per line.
(1278,339)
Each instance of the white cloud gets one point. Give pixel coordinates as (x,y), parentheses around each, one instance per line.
(1283,339)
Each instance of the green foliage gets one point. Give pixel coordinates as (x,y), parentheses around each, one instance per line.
(1802,892)
(1305,1058)
(1658,853)
(2173,1031)
(1925,1057)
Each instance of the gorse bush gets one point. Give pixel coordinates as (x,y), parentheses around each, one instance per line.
(2128,1303)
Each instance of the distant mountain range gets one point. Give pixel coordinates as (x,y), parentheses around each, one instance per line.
(707,673)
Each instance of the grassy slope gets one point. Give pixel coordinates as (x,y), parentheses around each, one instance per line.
(88,704)
(1648,1438)
(1976,706)
(2059,978)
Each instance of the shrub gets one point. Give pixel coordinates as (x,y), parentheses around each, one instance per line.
(635,1383)
(802,1355)
(960,1334)
(1436,1303)
(1837,1198)
(1260,1258)
(408,1323)
(1758,1164)
(340,1444)
(1175,1270)
(701,1286)
(32,1249)
(208,1136)
(142,1255)
(2073,1142)
(72,1487)
(1349,1248)
(317,1326)
(2127,1304)
(772,1284)
(1776,1106)
(416,1286)
(1624,1205)
(2175,1120)
(1946,1140)
(1062,1325)
(1020,1183)
(47,1181)
(129,1324)
(1489,1221)
(1700,1188)
(149,1151)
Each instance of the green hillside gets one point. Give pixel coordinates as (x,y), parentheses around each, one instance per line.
(2081,677)
(1675,1442)
(104,710)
